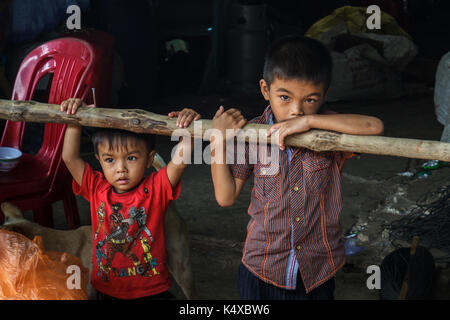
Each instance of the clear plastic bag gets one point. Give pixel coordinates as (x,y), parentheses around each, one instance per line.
(28,272)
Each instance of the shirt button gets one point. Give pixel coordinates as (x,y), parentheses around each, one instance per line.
(297,219)
(298,247)
(295,188)
(263,172)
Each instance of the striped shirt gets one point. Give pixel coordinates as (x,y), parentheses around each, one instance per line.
(294,212)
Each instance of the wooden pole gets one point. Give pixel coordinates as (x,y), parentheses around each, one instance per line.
(412,252)
(142,121)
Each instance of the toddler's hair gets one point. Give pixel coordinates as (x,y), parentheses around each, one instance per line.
(117,138)
(298,57)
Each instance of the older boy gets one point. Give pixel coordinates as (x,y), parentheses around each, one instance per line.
(293,247)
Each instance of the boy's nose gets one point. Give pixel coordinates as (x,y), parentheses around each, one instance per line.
(297,109)
(121,167)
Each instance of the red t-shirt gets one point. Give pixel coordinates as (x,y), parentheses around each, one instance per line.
(128,255)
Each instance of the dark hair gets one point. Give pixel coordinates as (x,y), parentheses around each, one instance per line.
(298,57)
(117,138)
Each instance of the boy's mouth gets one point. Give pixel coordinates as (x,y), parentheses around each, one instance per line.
(122,181)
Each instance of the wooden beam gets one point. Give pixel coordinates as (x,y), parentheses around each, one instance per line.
(142,121)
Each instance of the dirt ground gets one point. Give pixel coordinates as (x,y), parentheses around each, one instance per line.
(374,195)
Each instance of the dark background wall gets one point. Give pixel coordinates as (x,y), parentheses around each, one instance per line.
(141,29)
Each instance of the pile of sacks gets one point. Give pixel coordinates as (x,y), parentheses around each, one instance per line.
(366,63)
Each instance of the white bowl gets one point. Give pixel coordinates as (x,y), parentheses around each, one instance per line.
(9,158)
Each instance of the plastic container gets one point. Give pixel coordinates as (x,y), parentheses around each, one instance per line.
(423,174)
(442,89)
(351,247)
(433,164)
(9,158)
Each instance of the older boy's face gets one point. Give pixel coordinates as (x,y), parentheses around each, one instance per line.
(292,98)
(124,167)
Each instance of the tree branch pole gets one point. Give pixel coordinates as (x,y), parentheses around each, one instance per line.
(141,121)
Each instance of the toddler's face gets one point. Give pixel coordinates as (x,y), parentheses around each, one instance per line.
(124,167)
(292,98)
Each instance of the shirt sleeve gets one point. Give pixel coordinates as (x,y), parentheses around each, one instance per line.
(162,188)
(242,167)
(90,182)
(342,156)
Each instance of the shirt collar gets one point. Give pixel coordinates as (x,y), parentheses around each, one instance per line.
(267,116)
(270,119)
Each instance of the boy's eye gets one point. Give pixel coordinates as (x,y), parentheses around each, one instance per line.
(284,98)
(311,100)
(132,158)
(109,160)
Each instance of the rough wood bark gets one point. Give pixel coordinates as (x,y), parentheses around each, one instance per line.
(142,121)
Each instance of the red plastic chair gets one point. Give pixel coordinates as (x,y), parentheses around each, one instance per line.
(41,179)
(103,45)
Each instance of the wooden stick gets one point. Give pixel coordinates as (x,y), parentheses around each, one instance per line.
(412,252)
(141,121)
(93,96)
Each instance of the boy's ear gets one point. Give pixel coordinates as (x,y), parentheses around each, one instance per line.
(151,156)
(264,89)
(96,157)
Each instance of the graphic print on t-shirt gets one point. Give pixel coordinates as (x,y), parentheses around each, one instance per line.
(101,219)
(119,241)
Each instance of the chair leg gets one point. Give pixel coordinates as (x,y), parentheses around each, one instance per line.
(44,216)
(71,210)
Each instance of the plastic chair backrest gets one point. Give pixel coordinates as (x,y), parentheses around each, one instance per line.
(70,61)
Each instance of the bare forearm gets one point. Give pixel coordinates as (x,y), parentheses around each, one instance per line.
(174,172)
(71,147)
(180,160)
(71,153)
(223,181)
(226,187)
(346,123)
